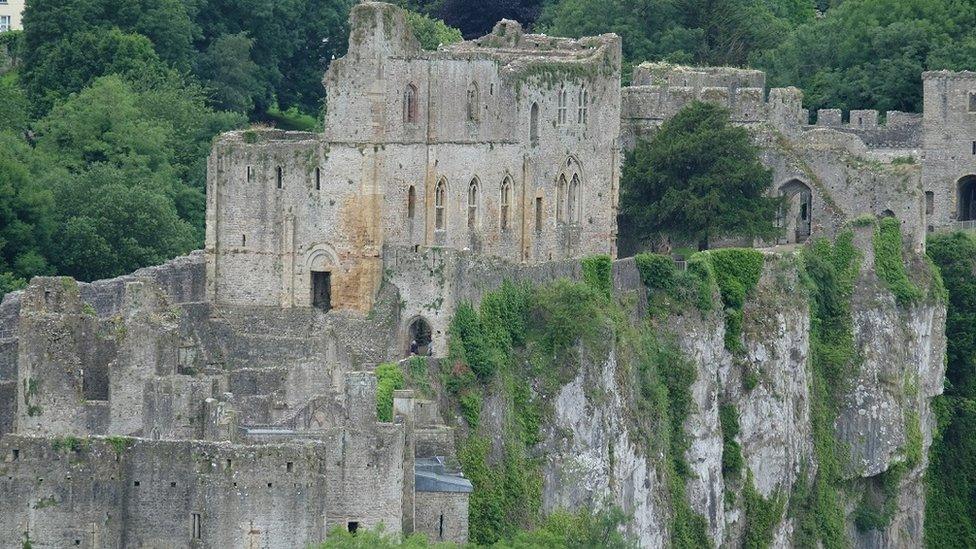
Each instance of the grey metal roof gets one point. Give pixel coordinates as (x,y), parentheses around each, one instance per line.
(431,475)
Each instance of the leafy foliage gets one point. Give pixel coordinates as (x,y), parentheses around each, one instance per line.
(389,378)
(950,510)
(598,274)
(431,32)
(737,271)
(731,450)
(829,271)
(888,262)
(871,53)
(699,178)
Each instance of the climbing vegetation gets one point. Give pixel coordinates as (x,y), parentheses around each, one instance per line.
(388,379)
(889,264)
(829,271)
(516,351)
(950,481)
(737,271)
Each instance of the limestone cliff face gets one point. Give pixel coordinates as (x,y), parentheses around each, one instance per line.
(592,459)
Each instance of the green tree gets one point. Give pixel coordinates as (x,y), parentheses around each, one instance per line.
(227,67)
(26,219)
(699,178)
(68,43)
(73,62)
(871,53)
(432,32)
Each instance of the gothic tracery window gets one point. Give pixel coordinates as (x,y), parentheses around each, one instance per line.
(506,202)
(582,110)
(561,107)
(473,204)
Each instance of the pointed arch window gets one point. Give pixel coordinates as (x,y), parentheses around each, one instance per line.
(561,200)
(440,214)
(561,107)
(506,202)
(410,103)
(474,102)
(473,204)
(583,102)
(574,199)
(534,124)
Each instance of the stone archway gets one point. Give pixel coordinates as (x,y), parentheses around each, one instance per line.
(796,216)
(966,198)
(420,332)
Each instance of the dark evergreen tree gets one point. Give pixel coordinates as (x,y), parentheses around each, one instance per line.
(699,178)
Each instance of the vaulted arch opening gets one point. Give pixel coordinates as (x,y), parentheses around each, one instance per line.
(419,337)
(966,198)
(796,215)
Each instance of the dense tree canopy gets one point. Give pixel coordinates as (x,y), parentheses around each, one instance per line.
(699,178)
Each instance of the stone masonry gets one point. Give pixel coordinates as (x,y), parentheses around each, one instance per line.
(227,398)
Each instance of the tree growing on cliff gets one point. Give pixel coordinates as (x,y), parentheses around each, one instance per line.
(699,178)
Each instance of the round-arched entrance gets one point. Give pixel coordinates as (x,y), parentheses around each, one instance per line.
(796,216)
(966,198)
(419,337)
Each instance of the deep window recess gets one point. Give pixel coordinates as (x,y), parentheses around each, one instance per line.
(322,290)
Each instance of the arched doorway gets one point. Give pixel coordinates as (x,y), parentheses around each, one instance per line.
(419,337)
(966,198)
(796,217)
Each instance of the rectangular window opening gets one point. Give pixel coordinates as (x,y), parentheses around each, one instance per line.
(16,455)
(196,529)
(322,290)
(929,202)
(538,214)
(279,177)
(318,179)
(290,466)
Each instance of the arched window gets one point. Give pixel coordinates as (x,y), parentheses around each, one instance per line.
(581,112)
(473,203)
(561,200)
(506,201)
(411,202)
(574,199)
(410,104)
(474,102)
(966,189)
(440,215)
(534,124)
(561,107)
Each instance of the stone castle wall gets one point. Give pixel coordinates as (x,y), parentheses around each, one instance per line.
(472,147)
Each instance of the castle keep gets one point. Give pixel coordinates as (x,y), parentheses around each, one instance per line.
(227,398)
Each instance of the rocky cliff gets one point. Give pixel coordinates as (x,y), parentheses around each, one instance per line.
(805,417)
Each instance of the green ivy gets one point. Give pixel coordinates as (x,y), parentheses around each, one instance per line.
(829,270)
(521,346)
(888,262)
(388,379)
(731,451)
(737,271)
(762,516)
(598,273)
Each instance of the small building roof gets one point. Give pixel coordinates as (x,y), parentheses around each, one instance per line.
(431,475)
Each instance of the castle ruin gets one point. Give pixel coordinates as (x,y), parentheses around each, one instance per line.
(227,398)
